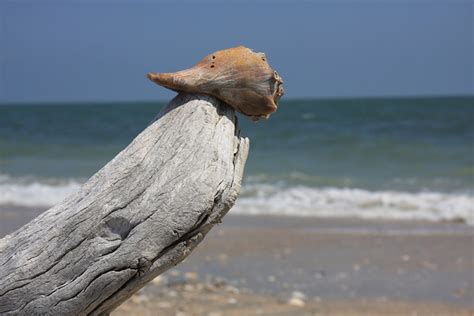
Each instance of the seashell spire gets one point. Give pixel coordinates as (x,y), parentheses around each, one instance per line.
(238,76)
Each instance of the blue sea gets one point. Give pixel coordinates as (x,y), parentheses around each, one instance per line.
(389,158)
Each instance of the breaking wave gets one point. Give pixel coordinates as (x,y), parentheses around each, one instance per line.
(345,202)
(266,199)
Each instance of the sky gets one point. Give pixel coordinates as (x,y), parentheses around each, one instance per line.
(80,51)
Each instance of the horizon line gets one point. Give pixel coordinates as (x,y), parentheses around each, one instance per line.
(324,98)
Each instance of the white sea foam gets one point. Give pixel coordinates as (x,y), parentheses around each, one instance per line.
(35,193)
(296,201)
(336,202)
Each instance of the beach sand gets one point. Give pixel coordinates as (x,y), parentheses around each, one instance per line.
(263,265)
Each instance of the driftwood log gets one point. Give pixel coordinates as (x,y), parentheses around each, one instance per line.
(141,214)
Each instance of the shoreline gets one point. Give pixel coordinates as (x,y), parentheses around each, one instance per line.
(13,217)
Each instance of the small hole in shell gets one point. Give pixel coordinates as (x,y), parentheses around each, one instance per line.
(213,57)
(212,66)
(263,59)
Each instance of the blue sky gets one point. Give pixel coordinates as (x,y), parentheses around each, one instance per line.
(74,50)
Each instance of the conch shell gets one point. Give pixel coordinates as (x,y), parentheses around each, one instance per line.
(238,76)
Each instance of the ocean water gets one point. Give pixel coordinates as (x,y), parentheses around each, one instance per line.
(371,158)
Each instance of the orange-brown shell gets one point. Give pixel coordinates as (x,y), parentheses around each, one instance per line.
(238,76)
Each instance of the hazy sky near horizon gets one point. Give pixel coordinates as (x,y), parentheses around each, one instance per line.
(75,50)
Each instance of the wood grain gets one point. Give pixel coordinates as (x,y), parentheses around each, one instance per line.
(139,215)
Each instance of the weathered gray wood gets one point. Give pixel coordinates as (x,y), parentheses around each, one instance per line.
(139,215)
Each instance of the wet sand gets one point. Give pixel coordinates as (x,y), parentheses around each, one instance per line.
(261,265)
